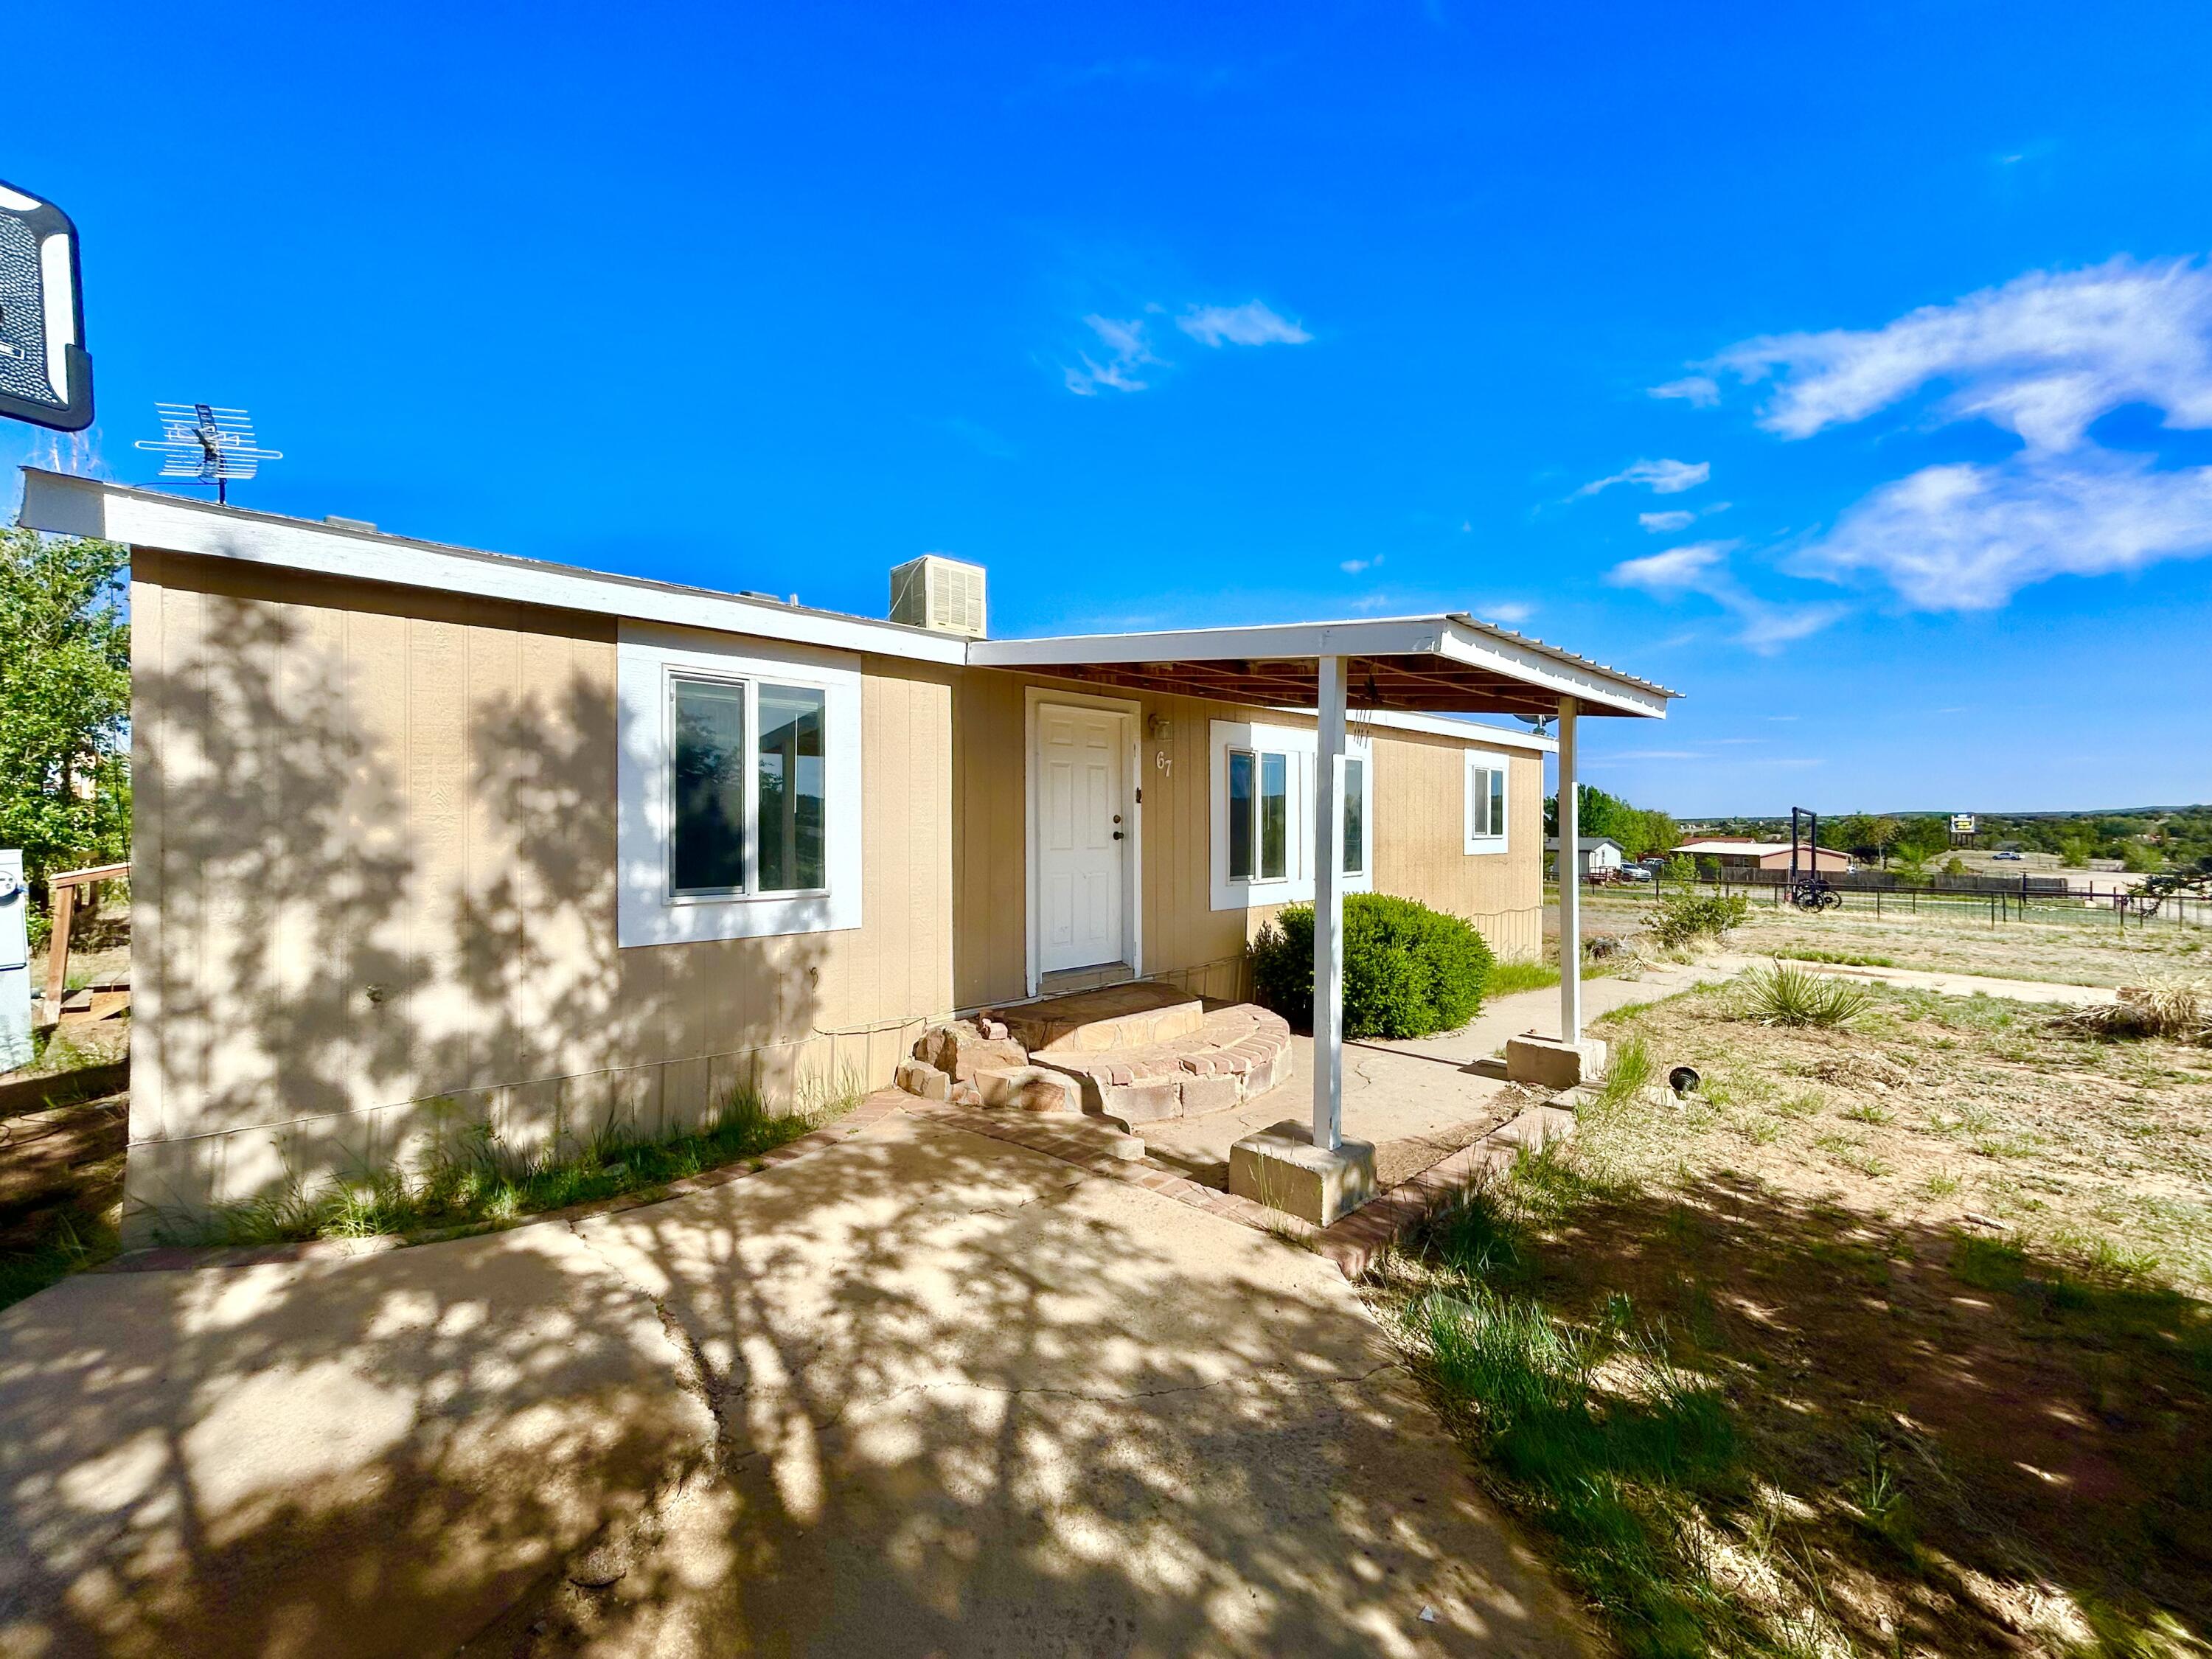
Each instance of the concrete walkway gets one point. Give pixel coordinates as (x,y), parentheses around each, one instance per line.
(920,1392)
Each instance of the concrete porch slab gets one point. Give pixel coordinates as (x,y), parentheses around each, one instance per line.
(1134,1015)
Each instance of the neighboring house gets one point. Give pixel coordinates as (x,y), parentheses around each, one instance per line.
(1595,854)
(428,838)
(1742,853)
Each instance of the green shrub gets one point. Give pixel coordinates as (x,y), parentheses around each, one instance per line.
(1784,994)
(1684,918)
(1408,970)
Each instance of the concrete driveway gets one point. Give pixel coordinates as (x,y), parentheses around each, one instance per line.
(922,1392)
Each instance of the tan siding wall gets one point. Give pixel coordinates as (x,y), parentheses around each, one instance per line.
(1420,832)
(1419,837)
(374,892)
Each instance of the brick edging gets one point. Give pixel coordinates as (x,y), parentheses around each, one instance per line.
(192,1258)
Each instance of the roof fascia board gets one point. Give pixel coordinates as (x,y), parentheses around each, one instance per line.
(1412,636)
(1442,726)
(70,505)
(1480,649)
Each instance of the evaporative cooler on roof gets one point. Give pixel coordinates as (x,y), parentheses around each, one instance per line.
(935,591)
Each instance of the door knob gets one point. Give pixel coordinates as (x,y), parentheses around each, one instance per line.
(1117,835)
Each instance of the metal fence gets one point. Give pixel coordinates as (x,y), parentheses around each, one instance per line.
(2043,899)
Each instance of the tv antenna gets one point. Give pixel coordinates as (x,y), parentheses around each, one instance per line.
(208,444)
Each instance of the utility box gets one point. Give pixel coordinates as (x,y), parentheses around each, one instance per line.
(937,593)
(15,964)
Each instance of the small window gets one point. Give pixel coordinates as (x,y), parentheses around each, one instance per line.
(1355,816)
(1240,815)
(1485,805)
(1274,817)
(710,787)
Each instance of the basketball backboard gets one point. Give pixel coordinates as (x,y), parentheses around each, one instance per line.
(46,375)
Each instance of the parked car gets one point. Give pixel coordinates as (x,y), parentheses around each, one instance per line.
(2013,858)
(1635,872)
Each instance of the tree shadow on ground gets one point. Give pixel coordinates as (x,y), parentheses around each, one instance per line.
(920,1392)
(2040,1425)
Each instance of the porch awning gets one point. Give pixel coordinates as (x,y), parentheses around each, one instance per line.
(1450,663)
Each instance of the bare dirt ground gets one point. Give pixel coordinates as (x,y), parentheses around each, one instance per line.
(2073,944)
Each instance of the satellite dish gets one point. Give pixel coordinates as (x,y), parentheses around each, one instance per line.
(1540,724)
(45,373)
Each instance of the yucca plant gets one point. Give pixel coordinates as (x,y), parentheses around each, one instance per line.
(1786,995)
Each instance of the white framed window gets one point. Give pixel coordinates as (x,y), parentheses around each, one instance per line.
(1262,813)
(1485,802)
(739,788)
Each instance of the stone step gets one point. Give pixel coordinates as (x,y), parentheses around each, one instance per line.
(1135,1015)
(1235,1053)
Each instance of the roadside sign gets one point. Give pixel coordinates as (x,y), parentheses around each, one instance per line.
(45,373)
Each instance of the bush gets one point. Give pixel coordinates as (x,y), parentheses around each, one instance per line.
(1408,970)
(1787,995)
(1685,918)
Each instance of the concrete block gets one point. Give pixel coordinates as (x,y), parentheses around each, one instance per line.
(920,1078)
(1027,1089)
(1132,1103)
(1546,1062)
(1281,1168)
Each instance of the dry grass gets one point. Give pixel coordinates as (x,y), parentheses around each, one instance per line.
(2073,944)
(2181,1012)
(1760,1366)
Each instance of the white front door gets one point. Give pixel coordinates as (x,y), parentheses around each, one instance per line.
(1080,836)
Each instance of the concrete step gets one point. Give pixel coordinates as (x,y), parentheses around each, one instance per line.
(1135,1015)
(1233,1054)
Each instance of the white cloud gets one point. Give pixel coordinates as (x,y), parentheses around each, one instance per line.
(1127,350)
(1666,523)
(1966,537)
(1701,568)
(1699,391)
(2042,356)
(1250,324)
(1677,570)
(1664,477)
(1353,567)
(1507,613)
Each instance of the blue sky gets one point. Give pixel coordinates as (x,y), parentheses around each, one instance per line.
(1281,311)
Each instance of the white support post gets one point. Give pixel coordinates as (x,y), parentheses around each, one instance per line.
(1571,892)
(1328,911)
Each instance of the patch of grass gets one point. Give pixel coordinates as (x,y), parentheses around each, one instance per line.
(1625,1075)
(1838,959)
(71,1242)
(1867,1111)
(481,1183)
(1507,977)
(1592,1430)
(1780,994)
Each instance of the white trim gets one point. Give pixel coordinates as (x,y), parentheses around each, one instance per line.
(1496,839)
(1444,726)
(647,660)
(1133,848)
(70,505)
(1301,744)
(85,507)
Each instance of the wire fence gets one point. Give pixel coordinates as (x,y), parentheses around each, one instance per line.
(2113,908)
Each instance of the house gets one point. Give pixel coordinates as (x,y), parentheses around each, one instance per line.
(1741,852)
(1595,856)
(429,840)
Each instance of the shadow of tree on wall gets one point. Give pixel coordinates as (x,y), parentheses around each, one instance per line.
(916,1394)
(386,895)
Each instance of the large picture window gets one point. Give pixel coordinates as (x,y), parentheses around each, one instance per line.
(739,786)
(1486,803)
